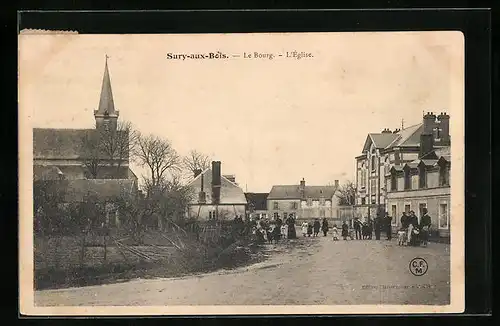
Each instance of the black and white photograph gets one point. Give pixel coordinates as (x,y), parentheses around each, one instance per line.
(259,173)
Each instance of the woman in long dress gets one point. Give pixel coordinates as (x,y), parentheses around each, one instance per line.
(292,234)
(345,230)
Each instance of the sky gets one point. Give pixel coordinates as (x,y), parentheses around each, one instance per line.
(268,121)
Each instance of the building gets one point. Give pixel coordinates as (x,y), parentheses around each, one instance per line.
(422,183)
(215,196)
(77,154)
(75,160)
(386,149)
(303,202)
(257,205)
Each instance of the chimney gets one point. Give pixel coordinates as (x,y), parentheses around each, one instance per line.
(216,181)
(426,144)
(202,195)
(197,172)
(302,188)
(386,131)
(429,122)
(336,183)
(395,131)
(443,120)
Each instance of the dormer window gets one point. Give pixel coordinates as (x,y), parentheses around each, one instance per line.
(444,175)
(407,177)
(422,176)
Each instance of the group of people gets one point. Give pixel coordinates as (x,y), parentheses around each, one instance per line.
(412,232)
(312,228)
(275,230)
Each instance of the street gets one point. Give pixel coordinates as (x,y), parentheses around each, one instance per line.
(312,271)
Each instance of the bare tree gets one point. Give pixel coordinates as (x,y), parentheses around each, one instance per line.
(195,161)
(93,157)
(117,145)
(346,194)
(159,157)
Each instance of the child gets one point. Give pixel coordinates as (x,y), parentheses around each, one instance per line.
(335,233)
(304,229)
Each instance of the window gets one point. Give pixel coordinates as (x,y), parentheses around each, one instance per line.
(443,216)
(293,205)
(285,215)
(373,162)
(394,185)
(322,201)
(373,187)
(276,216)
(322,213)
(407,208)
(363,201)
(421,207)
(387,165)
(422,177)
(209,215)
(309,202)
(276,205)
(394,214)
(407,179)
(444,175)
(437,133)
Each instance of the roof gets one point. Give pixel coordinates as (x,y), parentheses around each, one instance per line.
(293,192)
(258,200)
(284,192)
(230,192)
(59,143)
(381,140)
(408,137)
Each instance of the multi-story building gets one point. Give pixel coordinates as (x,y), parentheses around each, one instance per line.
(215,197)
(386,149)
(303,202)
(422,183)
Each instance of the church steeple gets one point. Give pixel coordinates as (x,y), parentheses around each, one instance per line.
(106,116)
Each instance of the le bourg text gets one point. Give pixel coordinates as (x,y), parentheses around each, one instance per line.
(245,55)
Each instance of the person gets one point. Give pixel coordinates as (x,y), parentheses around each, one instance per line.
(317,227)
(304,228)
(292,234)
(324,227)
(425,225)
(345,230)
(357,228)
(388,226)
(404,221)
(369,230)
(377,226)
(335,232)
(309,229)
(413,229)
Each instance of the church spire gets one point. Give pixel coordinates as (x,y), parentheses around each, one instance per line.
(106,113)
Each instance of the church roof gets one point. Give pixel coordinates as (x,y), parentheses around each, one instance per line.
(408,137)
(59,143)
(106,102)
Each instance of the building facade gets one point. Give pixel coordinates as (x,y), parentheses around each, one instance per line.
(303,202)
(423,183)
(384,150)
(215,197)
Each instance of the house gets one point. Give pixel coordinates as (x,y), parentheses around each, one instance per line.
(303,202)
(215,197)
(76,153)
(257,205)
(382,151)
(422,183)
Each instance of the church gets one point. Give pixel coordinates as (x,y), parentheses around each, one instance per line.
(94,161)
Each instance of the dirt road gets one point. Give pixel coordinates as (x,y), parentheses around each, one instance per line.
(311,271)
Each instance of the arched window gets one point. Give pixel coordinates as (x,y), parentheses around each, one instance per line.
(422,176)
(387,165)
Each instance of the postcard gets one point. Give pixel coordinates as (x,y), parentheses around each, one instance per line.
(241,174)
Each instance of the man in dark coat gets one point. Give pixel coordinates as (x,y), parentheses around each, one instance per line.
(377,226)
(345,230)
(413,221)
(404,221)
(425,225)
(316,226)
(357,228)
(388,226)
(324,227)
